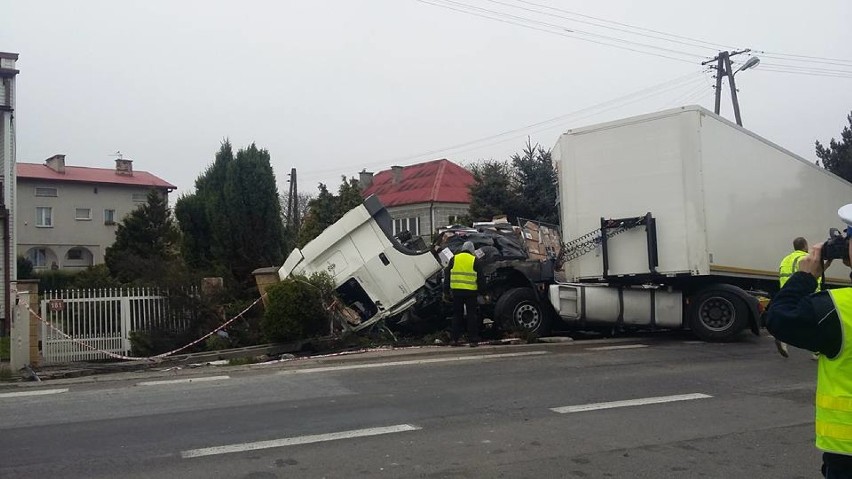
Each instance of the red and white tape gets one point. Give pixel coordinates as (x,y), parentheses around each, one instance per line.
(148,358)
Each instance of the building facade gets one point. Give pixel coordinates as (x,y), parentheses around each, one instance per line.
(8,72)
(67,215)
(421,198)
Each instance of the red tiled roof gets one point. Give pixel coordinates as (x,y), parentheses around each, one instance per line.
(438,180)
(35,171)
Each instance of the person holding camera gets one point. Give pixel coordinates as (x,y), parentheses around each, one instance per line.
(819,322)
(789,265)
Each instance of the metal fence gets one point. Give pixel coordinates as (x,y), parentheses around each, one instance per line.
(103,320)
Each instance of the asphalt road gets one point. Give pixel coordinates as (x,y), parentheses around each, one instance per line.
(734,410)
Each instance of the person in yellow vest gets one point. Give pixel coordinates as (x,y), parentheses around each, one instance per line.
(789,265)
(819,322)
(462,280)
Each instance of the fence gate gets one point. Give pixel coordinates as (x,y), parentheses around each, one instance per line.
(102,319)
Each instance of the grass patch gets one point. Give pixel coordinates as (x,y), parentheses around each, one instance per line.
(5,354)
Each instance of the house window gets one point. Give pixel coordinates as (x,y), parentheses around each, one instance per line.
(44,217)
(451,220)
(38,257)
(46,192)
(109,217)
(75,254)
(140,197)
(83,214)
(412,225)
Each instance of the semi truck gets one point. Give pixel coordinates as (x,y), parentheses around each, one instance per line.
(675,220)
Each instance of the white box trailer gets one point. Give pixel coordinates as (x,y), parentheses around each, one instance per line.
(717,208)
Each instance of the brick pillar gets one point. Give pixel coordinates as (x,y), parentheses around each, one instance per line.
(264,277)
(35,324)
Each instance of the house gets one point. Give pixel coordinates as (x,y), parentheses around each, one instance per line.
(8,72)
(67,215)
(423,197)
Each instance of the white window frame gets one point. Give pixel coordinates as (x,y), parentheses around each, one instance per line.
(403,224)
(46,191)
(139,197)
(35,255)
(109,216)
(42,220)
(87,217)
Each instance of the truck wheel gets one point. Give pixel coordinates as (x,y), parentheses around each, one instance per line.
(717,315)
(518,309)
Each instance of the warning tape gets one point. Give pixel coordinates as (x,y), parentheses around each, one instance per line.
(147,358)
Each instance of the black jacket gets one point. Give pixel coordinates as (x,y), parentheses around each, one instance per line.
(808,320)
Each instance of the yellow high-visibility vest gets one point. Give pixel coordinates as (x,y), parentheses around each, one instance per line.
(834,385)
(462,274)
(789,265)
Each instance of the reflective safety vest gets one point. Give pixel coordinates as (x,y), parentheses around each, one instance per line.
(462,274)
(834,385)
(789,265)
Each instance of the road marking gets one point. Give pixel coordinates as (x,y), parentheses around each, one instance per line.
(182,381)
(294,441)
(411,362)
(624,346)
(40,392)
(629,402)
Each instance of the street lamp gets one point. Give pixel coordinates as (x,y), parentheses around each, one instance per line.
(750,63)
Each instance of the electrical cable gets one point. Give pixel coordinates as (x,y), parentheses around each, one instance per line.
(805,58)
(561,29)
(624,30)
(486,141)
(796,72)
(711,44)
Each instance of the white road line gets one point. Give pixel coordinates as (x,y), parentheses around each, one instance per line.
(183,381)
(411,362)
(293,441)
(629,402)
(623,346)
(40,392)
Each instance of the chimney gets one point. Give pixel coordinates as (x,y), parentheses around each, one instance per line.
(56,163)
(124,166)
(365,179)
(397,174)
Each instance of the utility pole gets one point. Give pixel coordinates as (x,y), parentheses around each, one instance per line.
(723,68)
(293,202)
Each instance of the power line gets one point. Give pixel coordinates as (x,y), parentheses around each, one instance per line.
(805,58)
(561,29)
(624,30)
(796,72)
(711,45)
(807,68)
(486,141)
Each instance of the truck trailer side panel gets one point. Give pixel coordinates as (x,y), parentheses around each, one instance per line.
(763,196)
(726,201)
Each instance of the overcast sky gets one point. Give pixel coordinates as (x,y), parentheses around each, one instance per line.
(333,87)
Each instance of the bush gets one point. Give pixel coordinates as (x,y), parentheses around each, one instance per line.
(53,280)
(25,268)
(94,277)
(296,310)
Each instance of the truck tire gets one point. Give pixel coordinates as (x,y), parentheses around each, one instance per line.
(518,309)
(717,315)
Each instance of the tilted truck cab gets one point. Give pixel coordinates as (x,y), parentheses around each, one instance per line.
(373,272)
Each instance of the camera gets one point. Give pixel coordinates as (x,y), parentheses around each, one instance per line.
(837,245)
